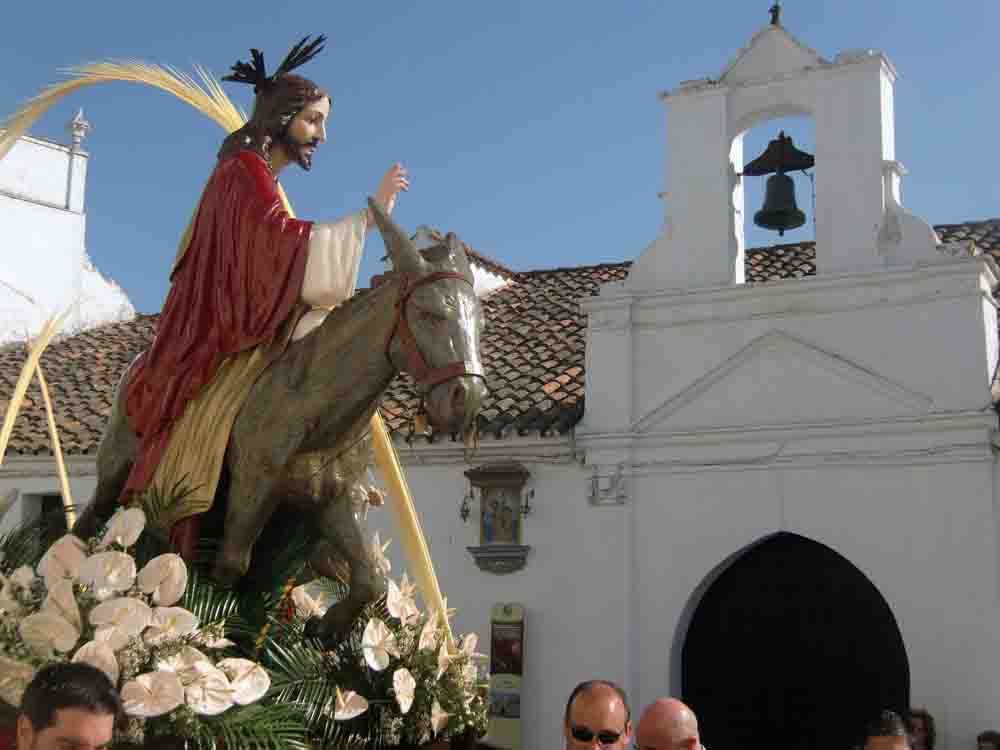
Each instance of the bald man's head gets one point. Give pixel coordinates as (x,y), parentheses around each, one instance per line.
(597,716)
(667,724)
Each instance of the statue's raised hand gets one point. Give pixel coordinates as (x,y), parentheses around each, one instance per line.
(392,183)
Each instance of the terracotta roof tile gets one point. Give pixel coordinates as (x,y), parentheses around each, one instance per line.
(533,352)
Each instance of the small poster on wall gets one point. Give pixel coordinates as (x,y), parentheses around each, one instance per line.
(506,671)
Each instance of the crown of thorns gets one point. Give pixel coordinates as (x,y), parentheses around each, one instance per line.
(255,73)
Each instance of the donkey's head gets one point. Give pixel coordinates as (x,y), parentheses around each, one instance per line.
(438,323)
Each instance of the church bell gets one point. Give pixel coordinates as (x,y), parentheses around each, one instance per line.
(780,211)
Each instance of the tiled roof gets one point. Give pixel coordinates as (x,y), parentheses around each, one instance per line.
(533,351)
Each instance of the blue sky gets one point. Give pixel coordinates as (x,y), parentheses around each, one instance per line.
(531,129)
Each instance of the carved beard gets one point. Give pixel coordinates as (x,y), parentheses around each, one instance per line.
(298,150)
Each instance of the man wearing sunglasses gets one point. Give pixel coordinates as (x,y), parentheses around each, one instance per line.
(597,715)
(667,724)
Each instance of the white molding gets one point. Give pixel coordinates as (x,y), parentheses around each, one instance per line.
(560,449)
(27,467)
(780,341)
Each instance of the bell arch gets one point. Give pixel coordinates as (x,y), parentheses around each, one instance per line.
(788,644)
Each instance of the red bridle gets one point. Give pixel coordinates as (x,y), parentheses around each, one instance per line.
(416,364)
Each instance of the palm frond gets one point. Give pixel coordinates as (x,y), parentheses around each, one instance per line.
(208,601)
(257,727)
(205,97)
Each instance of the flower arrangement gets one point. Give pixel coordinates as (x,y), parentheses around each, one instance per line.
(90,602)
(397,680)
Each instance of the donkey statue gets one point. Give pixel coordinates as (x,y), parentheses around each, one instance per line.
(300,446)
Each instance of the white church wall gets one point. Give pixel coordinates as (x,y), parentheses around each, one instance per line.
(574,585)
(34,476)
(39,171)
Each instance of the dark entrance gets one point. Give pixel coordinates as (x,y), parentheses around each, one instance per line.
(792,648)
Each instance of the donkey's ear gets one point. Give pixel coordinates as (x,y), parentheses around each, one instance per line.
(457,249)
(397,242)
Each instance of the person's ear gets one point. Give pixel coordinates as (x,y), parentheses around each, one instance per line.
(25,732)
(691,743)
(628,730)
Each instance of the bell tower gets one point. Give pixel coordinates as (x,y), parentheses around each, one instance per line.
(860,222)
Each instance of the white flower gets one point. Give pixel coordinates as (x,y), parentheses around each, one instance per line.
(185,664)
(249,680)
(378,644)
(471,674)
(117,620)
(210,693)
(23,577)
(212,638)
(444,660)
(108,572)
(382,564)
(152,694)
(63,559)
(124,528)
(170,623)
(46,632)
(99,654)
(469,644)
(61,601)
(312,599)
(439,717)
(429,634)
(14,678)
(349,705)
(8,600)
(400,601)
(165,577)
(404,686)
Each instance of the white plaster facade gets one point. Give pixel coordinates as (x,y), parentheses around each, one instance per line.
(852,408)
(42,242)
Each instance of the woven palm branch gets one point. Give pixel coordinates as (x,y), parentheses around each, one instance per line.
(206,96)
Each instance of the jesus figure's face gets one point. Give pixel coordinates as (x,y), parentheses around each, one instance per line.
(305,132)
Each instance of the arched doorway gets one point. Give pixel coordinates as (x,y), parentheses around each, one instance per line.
(793,648)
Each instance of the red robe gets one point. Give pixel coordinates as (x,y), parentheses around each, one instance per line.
(237,282)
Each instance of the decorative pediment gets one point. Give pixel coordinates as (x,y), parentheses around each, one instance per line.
(772,51)
(778,379)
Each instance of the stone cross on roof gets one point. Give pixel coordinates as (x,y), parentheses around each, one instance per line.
(775,11)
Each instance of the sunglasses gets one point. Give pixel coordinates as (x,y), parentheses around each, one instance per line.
(585,735)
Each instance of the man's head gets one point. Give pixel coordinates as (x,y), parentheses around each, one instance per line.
(988,740)
(597,715)
(922,732)
(68,706)
(887,732)
(667,724)
(289,112)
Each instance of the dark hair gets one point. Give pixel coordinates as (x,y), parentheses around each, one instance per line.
(990,735)
(924,715)
(588,686)
(68,685)
(887,724)
(274,109)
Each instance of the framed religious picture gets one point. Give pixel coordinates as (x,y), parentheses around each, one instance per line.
(500,515)
(503,505)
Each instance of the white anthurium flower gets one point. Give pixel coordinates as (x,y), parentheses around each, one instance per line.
(312,599)
(439,717)
(249,680)
(210,692)
(117,620)
(378,644)
(444,660)
(429,634)
(14,678)
(400,601)
(46,633)
(152,694)
(170,623)
(124,529)
(108,573)
(185,664)
(62,601)
(404,686)
(99,654)
(469,644)
(63,559)
(213,638)
(349,705)
(471,674)
(165,577)
(382,564)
